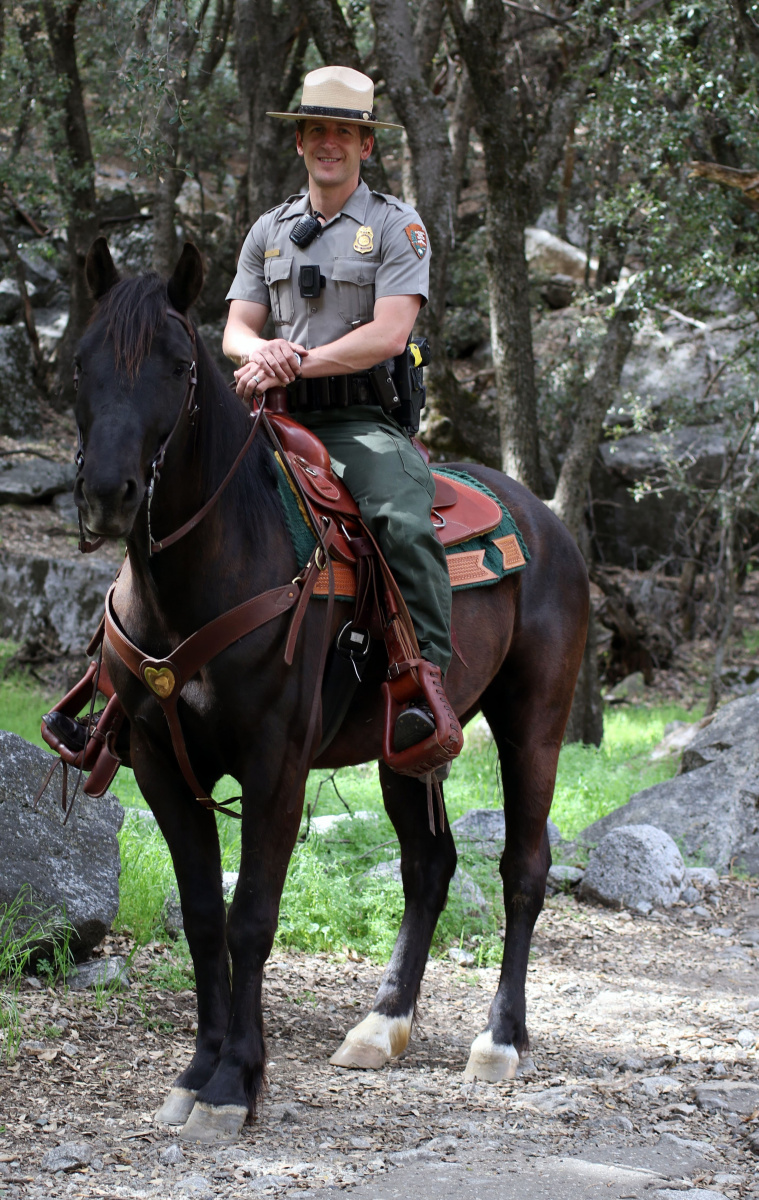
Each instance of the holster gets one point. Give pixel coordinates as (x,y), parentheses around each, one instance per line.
(99,756)
(417,679)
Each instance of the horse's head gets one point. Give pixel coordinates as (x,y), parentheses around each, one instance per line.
(133,371)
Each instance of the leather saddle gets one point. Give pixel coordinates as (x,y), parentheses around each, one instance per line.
(459,512)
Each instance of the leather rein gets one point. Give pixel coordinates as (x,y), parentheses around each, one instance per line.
(165,678)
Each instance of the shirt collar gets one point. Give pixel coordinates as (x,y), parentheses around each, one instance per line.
(355,206)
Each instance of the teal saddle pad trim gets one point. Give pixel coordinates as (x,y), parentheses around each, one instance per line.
(303,539)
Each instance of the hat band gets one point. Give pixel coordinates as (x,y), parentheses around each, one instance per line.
(347,114)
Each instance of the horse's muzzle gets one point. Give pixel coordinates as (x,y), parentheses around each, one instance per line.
(108,512)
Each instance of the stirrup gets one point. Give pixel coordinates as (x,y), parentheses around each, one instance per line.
(413,680)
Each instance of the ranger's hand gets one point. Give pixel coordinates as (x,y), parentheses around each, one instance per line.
(274,363)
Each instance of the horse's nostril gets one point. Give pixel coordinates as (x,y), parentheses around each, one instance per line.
(129,491)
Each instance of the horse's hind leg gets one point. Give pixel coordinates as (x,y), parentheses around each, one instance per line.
(527,716)
(428,862)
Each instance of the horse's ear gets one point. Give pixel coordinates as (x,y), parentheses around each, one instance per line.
(99,269)
(187,280)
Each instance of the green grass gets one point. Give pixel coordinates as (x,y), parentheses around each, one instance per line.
(329,901)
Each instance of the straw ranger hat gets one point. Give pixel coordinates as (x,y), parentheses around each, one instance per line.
(340,94)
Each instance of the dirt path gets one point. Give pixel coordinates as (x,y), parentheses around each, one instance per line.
(645,1072)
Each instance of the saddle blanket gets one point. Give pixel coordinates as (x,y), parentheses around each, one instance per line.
(478,562)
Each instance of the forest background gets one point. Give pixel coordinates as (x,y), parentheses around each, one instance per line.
(586,173)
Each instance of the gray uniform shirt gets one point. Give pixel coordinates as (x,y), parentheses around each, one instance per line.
(376,246)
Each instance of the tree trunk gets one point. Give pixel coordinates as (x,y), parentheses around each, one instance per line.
(336,43)
(67,122)
(586,720)
(270,47)
(727,505)
(571,490)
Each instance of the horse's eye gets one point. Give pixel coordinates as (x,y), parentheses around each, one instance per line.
(179,370)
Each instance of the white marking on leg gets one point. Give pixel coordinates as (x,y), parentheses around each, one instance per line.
(176,1108)
(373,1042)
(490,1061)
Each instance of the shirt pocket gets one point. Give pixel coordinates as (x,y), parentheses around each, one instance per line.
(277,273)
(354,282)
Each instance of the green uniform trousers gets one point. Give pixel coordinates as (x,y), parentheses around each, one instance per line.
(394,490)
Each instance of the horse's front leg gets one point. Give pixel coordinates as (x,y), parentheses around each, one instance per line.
(190,832)
(428,862)
(269,830)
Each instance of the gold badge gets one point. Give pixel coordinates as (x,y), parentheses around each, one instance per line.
(364,242)
(160,680)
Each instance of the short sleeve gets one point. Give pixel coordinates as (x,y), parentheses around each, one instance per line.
(405,266)
(249,282)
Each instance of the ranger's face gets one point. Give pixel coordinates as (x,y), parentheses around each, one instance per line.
(332,151)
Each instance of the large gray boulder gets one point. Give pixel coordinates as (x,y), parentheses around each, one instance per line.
(19,401)
(484,829)
(63,595)
(711,808)
(638,866)
(70,870)
(34,481)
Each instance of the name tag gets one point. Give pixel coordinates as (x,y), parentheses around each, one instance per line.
(271,254)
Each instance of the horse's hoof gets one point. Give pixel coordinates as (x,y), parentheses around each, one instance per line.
(491,1062)
(373,1042)
(176,1108)
(214,1123)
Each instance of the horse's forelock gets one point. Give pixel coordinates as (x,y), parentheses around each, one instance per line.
(132,311)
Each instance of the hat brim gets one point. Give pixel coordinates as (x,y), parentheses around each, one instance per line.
(295,116)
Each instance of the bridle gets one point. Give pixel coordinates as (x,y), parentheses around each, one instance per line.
(165,678)
(189,409)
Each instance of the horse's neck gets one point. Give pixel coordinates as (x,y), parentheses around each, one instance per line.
(233,553)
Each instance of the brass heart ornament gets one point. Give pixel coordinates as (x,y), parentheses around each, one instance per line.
(160,680)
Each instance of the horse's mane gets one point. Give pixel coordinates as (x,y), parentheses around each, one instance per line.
(132,311)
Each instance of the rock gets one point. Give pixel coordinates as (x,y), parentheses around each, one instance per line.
(612,1120)
(485,829)
(462,885)
(172,1155)
(553,1100)
(705,878)
(38,595)
(747,1038)
(690,895)
(72,868)
(559,291)
(561,877)
(69,1156)
(100,973)
(323,825)
(10,300)
(677,735)
(710,808)
(637,864)
(548,255)
(34,481)
(688,1194)
(750,937)
(462,958)
(40,273)
(632,687)
(171,914)
(19,400)
(197,1186)
(726,1096)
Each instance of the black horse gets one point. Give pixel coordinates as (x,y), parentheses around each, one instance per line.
(246,713)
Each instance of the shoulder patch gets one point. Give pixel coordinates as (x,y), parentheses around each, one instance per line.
(418,238)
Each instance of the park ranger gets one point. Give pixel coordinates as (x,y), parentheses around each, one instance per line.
(343,272)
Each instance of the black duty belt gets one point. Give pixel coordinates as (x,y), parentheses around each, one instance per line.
(332,391)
